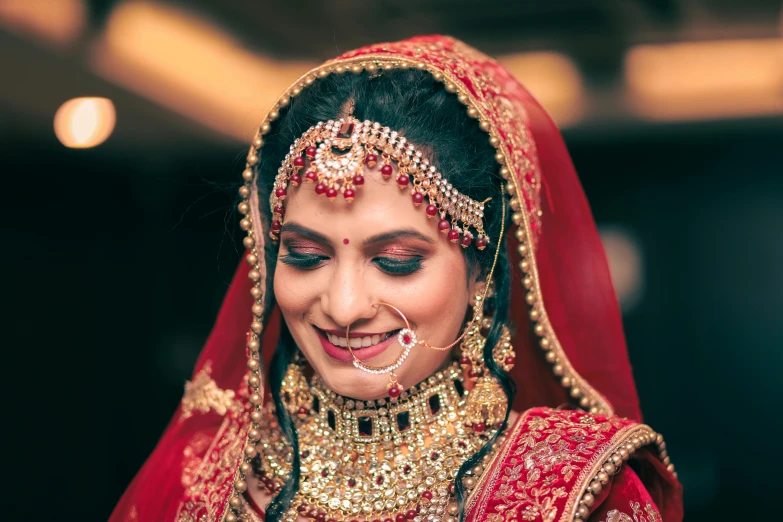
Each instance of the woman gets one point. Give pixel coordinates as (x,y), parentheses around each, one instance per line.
(391,385)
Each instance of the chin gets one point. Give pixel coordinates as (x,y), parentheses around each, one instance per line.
(354,383)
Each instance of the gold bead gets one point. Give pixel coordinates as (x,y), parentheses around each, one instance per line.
(530,298)
(609,468)
(255,416)
(478,470)
(551,356)
(235,502)
(463,98)
(251,452)
(584,402)
(251,259)
(469,482)
(283,101)
(453,508)
(522,248)
(450,87)
(240,485)
(519,233)
(539,329)
(265,128)
(273,115)
(421,65)
(296,91)
(245,468)
(514,203)
(323,73)
(544,343)
(339,69)
(388,67)
(596,487)
(230,517)
(256,326)
(576,392)
(558,369)
(249,242)
(473,112)
(603,477)
(565,381)
(505,172)
(258,309)
(624,453)
(258,142)
(247,174)
(256,397)
(253,435)
(244,192)
(254,380)
(670,468)
(253,364)
(243,207)
(667,460)
(252,159)
(254,275)
(245,224)
(582,512)
(588,499)
(524,266)
(356,68)
(594,410)
(494,141)
(527,282)
(438,76)
(256,292)
(484,124)
(500,158)
(372,67)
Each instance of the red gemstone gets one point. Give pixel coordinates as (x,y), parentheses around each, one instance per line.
(299,162)
(303,411)
(311,176)
(358,180)
(386,170)
(444,225)
(435,455)
(296,179)
(411,514)
(279,210)
(431,211)
(324,473)
(402,180)
(371,160)
(394,391)
(379,479)
(351,482)
(406,339)
(481,243)
(466,241)
(509,360)
(320,188)
(427,495)
(276,226)
(301,508)
(331,193)
(474,373)
(406,469)
(464,361)
(451,488)
(310,152)
(400,517)
(280,192)
(479,427)
(453,235)
(349,194)
(418,198)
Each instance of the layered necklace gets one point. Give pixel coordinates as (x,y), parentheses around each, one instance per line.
(391,459)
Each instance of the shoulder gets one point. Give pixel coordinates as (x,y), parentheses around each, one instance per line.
(554,463)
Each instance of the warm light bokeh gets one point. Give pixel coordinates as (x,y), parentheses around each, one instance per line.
(84,122)
(58,21)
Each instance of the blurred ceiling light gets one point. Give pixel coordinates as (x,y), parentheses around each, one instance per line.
(190,66)
(84,122)
(553,79)
(58,21)
(625,265)
(703,80)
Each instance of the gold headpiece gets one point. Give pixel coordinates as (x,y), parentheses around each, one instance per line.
(340,150)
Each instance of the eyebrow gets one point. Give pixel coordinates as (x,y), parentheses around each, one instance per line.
(411,233)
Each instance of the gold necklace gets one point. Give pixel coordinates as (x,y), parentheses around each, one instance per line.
(387,459)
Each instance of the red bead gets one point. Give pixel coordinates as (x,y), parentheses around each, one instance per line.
(402,180)
(358,180)
(303,411)
(431,211)
(451,488)
(299,162)
(394,391)
(388,520)
(280,192)
(509,360)
(296,179)
(427,495)
(400,517)
(310,152)
(418,198)
(349,194)
(331,193)
(311,176)
(453,235)
(320,188)
(411,514)
(351,482)
(481,243)
(479,427)
(474,374)
(406,339)
(386,170)
(444,225)
(466,241)
(464,361)
(279,210)
(276,226)
(301,508)
(371,160)
(320,517)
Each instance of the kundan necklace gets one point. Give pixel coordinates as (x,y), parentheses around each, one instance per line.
(386,460)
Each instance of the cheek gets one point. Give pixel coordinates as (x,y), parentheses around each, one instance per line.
(292,294)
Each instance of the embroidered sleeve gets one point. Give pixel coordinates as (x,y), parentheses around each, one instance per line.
(626,500)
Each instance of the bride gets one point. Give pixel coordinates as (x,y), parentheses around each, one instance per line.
(424,271)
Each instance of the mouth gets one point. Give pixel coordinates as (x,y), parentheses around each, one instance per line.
(363,345)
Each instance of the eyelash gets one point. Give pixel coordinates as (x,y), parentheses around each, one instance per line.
(388,265)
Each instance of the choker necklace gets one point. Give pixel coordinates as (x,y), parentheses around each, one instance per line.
(386,459)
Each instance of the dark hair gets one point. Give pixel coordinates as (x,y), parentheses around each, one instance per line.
(419,108)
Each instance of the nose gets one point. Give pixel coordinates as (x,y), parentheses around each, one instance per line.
(347,299)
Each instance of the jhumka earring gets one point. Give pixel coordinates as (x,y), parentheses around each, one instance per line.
(407,339)
(294,389)
(487,403)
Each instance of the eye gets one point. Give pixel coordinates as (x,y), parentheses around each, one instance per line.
(397,266)
(302,261)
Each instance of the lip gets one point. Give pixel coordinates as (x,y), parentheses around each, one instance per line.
(343,354)
(341,333)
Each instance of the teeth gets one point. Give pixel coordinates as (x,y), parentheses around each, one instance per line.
(357,342)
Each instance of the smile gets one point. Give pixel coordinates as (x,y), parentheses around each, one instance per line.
(364,345)
(359,342)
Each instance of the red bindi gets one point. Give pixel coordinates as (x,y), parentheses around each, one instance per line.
(345,241)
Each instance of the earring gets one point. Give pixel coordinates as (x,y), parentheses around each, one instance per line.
(407,339)
(487,403)
(294,390)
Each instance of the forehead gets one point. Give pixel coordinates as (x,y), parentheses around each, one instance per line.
(379,206)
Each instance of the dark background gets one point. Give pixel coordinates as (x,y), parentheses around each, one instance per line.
(116,258)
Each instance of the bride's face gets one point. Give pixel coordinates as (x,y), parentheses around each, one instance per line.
(338,258)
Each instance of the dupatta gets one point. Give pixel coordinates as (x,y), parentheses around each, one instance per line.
(569,339)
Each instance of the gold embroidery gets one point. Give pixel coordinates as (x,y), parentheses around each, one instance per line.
(652,514)
(202,394)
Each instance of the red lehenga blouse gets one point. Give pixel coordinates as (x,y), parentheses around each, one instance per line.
(592,460)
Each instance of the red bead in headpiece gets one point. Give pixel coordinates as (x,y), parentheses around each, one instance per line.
(371,160)
(276,226)
(466,240)
(418,198)
(481,243)
(310,152)
(320,188)
(402,180)
(279,209)
(431,211)
(295,179)
(453,235)
(331,193)
(311,176)
(280,192)
(358,180)
(444,225)
(386,170)
(299,162)
(349,194)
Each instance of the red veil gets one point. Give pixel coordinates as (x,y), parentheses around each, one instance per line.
(569,338)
